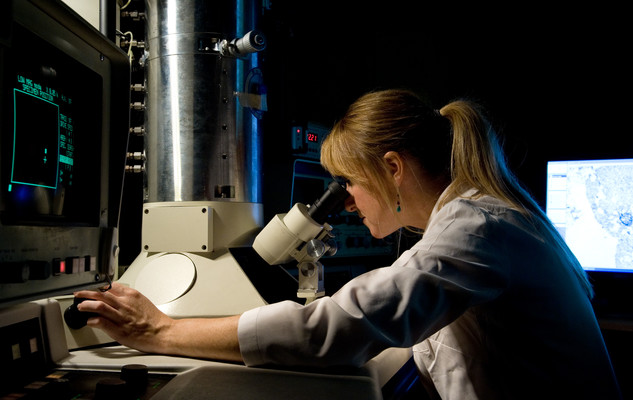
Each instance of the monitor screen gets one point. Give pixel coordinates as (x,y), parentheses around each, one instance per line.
(590,202)
(52,161)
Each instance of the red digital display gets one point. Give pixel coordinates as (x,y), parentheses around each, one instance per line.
(312,137)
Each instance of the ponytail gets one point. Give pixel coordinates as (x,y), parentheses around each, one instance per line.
(477,161)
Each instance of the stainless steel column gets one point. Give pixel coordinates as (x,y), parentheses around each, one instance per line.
(202,144)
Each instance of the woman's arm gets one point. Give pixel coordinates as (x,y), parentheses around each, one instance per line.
(132,320)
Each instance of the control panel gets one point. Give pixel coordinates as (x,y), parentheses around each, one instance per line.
(32,346)
(133,381)
(306,140)
(54,261)
(354,240)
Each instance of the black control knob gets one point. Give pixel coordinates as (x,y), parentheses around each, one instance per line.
(74,318)
(136,377)
(56,389)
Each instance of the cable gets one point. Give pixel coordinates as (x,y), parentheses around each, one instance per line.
(129,47)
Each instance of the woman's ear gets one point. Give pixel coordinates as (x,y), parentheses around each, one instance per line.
(395,163)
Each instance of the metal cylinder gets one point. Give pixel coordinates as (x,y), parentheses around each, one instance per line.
(201,143)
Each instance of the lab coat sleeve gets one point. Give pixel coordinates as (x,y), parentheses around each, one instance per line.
(454,267)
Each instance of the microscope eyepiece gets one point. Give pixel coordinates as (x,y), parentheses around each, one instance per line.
(331,202)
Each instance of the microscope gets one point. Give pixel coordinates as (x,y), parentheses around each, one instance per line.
(304,235)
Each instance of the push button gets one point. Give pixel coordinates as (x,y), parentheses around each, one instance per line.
(59,266)
(75,265)
(90,263)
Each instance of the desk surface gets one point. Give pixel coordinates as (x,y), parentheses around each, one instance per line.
(202,379)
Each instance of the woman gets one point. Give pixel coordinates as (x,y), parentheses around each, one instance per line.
(492,301)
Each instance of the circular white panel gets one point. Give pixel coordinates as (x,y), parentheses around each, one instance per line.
(166,278)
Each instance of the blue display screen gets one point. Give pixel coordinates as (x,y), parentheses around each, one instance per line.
(591,204)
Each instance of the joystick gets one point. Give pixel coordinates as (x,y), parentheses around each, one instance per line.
(74,318)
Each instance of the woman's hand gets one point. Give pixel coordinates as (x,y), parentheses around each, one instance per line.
(127,317)
(134,321)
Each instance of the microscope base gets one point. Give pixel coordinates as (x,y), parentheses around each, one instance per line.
(186,285)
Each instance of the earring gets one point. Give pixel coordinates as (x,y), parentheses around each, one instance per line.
(398,208)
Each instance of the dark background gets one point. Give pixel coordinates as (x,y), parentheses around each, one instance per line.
(554,78)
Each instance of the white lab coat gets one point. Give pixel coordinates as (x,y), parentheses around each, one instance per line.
(488,306)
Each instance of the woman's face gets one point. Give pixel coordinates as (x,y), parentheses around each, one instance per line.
(379,218)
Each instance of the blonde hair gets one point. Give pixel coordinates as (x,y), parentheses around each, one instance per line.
(477,160)
(456,144)
(375,124)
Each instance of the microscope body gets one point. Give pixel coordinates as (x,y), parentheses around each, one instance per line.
(303,235)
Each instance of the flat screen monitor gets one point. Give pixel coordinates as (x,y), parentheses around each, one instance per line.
(590,202)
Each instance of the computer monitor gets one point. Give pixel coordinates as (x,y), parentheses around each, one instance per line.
(591,204)
(64,122)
